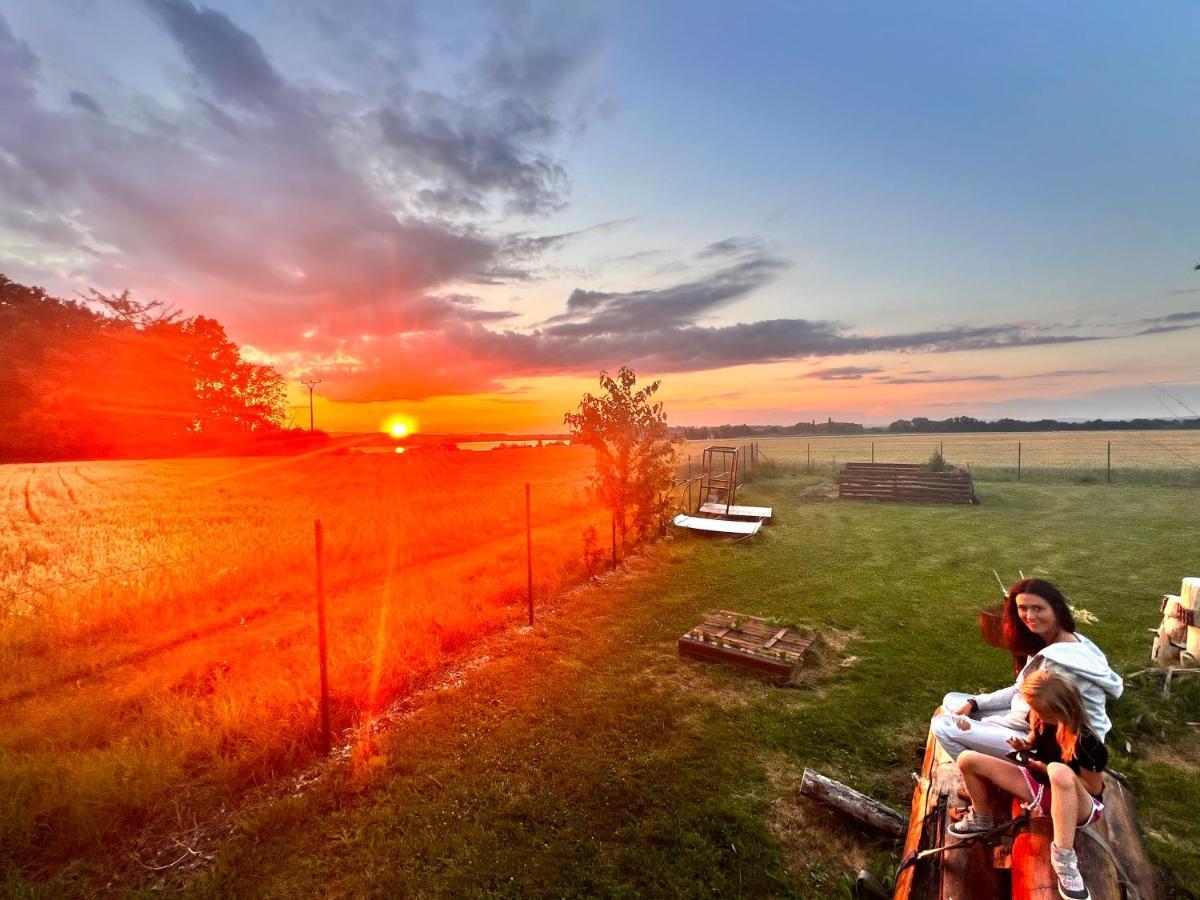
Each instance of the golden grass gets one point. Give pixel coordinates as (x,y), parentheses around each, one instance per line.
(1039,450)
(157,619)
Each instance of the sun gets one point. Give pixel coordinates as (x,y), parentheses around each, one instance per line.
(398,426)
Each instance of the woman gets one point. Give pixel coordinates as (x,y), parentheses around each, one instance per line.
(1037,622)
(1058,770)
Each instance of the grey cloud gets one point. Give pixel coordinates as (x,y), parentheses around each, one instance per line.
(523,246)
(947,379)
(85,102)
(229,60)
(1179,321)
(240,196)
(733,246)
(692,348)
(842,373)
(473,150)
(648,311)
(1166,329)
(1172,318)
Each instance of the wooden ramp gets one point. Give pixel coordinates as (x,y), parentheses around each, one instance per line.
(1015,865)
(717,526)
(712,508)
(904,482)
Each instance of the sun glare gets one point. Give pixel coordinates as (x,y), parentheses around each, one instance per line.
(399,427)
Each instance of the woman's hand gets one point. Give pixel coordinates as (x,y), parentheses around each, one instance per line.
(966,709)
(1019,743)
(1035,766)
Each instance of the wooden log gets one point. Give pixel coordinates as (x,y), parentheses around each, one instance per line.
(1033,876)
(966,872)
(859,807)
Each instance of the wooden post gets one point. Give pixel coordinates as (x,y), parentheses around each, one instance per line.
(529,550)
(1018,460)
(872,451)
(808,465)
(322,644)
(1110,462)
(689,483)
(942,449)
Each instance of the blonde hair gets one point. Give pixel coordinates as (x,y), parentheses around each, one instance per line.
(1056,699)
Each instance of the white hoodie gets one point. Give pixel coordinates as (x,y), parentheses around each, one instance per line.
(1082,662)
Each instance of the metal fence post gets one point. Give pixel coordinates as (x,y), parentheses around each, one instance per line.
(322,643)
(529,550)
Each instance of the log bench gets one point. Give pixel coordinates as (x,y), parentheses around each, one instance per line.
(1016,864)
(904,482)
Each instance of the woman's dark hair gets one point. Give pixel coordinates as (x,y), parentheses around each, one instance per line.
(1021,639)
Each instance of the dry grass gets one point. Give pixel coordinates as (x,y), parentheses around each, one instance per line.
(157,619)
(1075,450)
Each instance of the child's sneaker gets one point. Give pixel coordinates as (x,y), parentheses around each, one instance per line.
(1066,867)
(971,824)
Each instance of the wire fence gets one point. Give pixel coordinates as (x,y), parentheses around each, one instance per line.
(1158,457)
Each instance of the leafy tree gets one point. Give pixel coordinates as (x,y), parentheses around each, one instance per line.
(112,376)
(634,458)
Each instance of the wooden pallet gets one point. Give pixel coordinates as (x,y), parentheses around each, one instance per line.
(1017,865)
(904,482)
(747,641)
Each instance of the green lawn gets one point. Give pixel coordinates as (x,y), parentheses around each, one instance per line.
(587,759)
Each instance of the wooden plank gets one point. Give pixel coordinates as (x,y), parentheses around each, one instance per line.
(717,526)
(737,512)
(775,638)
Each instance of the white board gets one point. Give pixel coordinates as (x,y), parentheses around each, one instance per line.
(717,526)
(738,512)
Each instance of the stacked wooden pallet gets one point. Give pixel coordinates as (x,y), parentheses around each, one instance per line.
(1016,864)
(905,482)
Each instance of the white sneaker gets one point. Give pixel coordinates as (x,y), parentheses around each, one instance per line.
(1066,867)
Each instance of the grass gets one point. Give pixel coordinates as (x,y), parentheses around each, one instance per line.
(124,689)
(587,759)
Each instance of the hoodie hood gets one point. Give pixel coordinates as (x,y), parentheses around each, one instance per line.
(1086,662)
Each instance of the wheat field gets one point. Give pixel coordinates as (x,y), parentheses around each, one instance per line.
(157,618)
(1164,452)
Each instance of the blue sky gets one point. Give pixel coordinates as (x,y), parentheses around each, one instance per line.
(784,210)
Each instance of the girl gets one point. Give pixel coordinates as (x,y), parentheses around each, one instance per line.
(1060,764)
(1037,622)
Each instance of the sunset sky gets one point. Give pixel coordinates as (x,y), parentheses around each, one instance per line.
(460,213)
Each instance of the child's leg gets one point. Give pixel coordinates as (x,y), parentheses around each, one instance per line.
(1070,804)
(978,769)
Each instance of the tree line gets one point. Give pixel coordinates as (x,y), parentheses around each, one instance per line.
(920,425)
(109,376)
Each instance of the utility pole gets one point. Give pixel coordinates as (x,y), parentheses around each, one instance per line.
(310,383)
